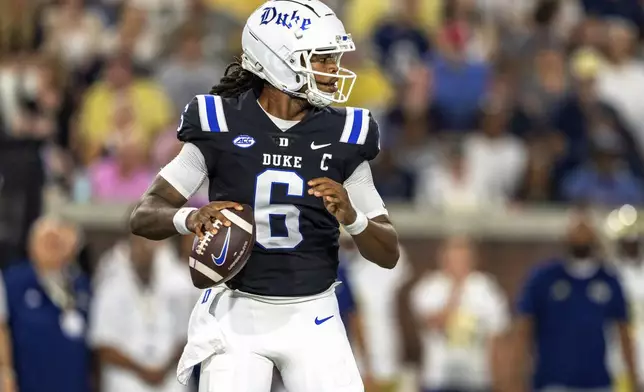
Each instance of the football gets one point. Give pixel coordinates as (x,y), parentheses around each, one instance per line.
(217,258)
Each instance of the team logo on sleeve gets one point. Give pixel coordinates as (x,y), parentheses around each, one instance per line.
(244,141)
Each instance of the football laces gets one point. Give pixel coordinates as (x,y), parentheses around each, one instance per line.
(201,247)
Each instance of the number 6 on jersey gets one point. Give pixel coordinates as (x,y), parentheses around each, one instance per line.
(265,210)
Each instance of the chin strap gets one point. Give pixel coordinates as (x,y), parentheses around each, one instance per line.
(317,100)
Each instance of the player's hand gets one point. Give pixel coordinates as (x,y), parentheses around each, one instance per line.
(201,221)
(335,198)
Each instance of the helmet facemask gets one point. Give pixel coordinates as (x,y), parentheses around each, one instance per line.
(344,84)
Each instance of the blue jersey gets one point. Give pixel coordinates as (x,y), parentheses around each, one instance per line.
(46,358)
(570,315)
(251,161)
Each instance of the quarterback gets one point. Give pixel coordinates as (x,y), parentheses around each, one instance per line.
(267,136)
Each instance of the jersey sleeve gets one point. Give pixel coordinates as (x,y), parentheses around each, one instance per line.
(187,171)
(361,130)
(363,192)
(202,120)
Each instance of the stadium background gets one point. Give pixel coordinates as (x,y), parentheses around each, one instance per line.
(496,116)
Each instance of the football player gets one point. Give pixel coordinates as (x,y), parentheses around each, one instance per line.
(266,136)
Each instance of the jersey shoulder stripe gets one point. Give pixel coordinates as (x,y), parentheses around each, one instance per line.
(356,126)
(211,113)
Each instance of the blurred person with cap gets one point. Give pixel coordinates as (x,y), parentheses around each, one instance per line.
(139,316)
(43,308)
(564,310)
(463,317)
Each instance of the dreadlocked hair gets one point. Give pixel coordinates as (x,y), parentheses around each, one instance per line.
(236,80)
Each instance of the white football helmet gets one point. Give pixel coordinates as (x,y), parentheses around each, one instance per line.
(280,38)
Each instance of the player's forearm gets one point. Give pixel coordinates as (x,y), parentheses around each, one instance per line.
(152,217)
(378,243)
(153,220)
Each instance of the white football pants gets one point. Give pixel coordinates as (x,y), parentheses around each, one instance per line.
(305,341)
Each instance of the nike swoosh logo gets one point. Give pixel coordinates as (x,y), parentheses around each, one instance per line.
(219,260)
(318,146)
(320,321)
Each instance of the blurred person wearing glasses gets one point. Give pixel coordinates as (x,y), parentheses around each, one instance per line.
(463,316)
(43,310)
(564,310)
(140,311)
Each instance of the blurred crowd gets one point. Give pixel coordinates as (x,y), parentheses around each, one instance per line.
(442,325)
(481,103)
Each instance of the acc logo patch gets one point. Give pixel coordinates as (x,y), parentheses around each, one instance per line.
(244,141)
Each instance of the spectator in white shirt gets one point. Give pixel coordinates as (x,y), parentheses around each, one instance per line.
(139,318)
(452,185)
(497,158)
(463,315)
(620,81)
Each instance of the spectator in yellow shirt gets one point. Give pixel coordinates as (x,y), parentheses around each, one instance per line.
(372,89)
(120,103)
